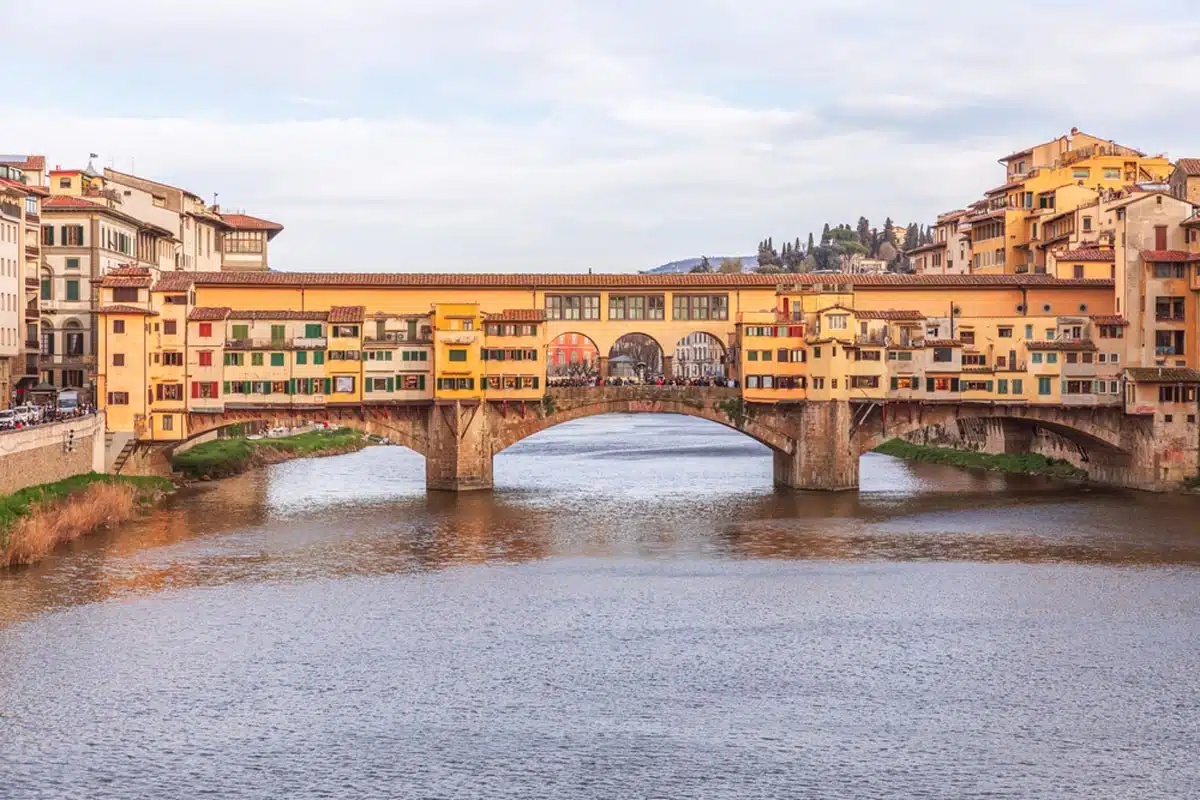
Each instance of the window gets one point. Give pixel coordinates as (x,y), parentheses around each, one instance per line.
(700,306)
(1036,358)
(864,381)
(345,331)
(1002,386)
(48,235)
(1087,224)
(943,354)
(837,322)
(1004,333)
(1112,174)
(172,359)
(169,327)
(169,391)
(1051,358)
(1028,331)
(318,357)
(313,331)
(72,289)
(73,263)
(241,332)
(118,326)
(301,358)
(412,383)
(118,359)
(276,359)
(204,358)
(343,384)
(72,236)
(125,294)
(974,360)
(235,359)
(1043,386)
(206,329)
(47,286)
(573,306)
(1078,271)
(118,398)
(455,384)
(244,242)
(457,355)
(64,183)
(205,389)
(1081,174)
(256,359)
(168,422)
(277,332)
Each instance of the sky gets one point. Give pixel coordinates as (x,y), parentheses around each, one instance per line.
(567,135)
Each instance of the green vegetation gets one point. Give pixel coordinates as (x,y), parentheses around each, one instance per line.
(1022,463)
(225,457)
(548,406)
(1192,483)
(736,410)
(26,503)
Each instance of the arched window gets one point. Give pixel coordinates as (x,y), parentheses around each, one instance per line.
(73,338)
(47,338)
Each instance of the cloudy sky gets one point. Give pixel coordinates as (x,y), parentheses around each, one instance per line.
(467,135)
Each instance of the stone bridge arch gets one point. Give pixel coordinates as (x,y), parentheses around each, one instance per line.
(722,406)
(405,426)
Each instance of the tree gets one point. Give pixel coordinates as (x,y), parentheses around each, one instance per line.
(703,266)
(887,252)
(825,234)
(888,236)
(912,237)
(770,269)
(730,265)
(811,246)
(864,232)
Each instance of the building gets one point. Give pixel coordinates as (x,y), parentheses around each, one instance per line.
(572,354)
(950,251)
(27,173)
(1185,180)
(246,241)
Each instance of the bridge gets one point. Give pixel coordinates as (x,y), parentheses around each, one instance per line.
(816,444)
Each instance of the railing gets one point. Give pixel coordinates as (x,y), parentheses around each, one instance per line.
(11,209)
(1168,317)
(1165,351)
(878,340)
(399,337)
(298,343)
(32,313)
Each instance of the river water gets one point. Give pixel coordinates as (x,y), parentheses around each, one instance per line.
(633,613)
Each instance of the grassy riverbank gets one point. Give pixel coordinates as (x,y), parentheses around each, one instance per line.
(1019,463)
(223,458)
(37,519)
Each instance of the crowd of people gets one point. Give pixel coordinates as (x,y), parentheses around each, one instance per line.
(657,380)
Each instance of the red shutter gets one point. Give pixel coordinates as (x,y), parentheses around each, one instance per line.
(195,388)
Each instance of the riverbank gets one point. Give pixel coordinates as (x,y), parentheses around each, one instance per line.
(224,458)
(1015,463)
(35,520)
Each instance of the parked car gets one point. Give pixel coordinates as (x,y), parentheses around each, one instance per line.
(8,419)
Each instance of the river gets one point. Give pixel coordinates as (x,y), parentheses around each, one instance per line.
(634,612)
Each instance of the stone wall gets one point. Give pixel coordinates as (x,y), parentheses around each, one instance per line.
(41,455)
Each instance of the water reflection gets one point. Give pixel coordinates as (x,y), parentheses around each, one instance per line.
(658,487)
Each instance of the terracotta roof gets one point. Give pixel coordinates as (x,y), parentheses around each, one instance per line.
(174,282)
(1174,256)
(279,314)
(1067,344)
(978,370)
(520,315)
(117,281)
(1020,153)
(1191,166)
(1163,374)
(925,247)
(22,187)
(66,201)
(1087,254)
(347,313)
(1109,319)
(129,271)
(890,315)
(993,214)
(575,281)
(208,313)
(943,343)
(30,162)
(1004,187)
(1191,220)
(245,222)
(120,309)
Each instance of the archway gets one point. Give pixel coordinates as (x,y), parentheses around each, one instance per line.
(636,356)
(699,355)
(572,356)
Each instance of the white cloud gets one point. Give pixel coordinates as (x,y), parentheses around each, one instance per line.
(464,134)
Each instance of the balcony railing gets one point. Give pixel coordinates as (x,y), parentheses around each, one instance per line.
(1165,351)
(1169,317)
(399,337)
(295,343)
(874,339)
(32,313)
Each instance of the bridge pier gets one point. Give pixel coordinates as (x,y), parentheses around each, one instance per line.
(824,458)
(459,452)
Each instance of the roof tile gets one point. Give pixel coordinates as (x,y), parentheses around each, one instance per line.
(520,315)
(1163,374)
(1190,166)
(890,315)
(208,313)
(1063,344)
(245,222)
(1109,319)
(347,313)
(1172,256)
(1087,254)
(122,309)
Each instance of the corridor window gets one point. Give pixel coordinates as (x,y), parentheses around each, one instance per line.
(700,306)
(573,306)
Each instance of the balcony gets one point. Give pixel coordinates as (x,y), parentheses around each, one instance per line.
(32,314)
(399,337)
(296,343)
(32,249)
(872,339)
(11,210)
(1179,319)
(32,282)
(33,345)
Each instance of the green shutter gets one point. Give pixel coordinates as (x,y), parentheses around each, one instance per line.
(225,387)
(421,383)
(277,359)
(895,384)
(291,385)
(301,357)
(319,357)
(535,381)
(391,384)
(312,331)
(367,387)
(483,354)
(328,385)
